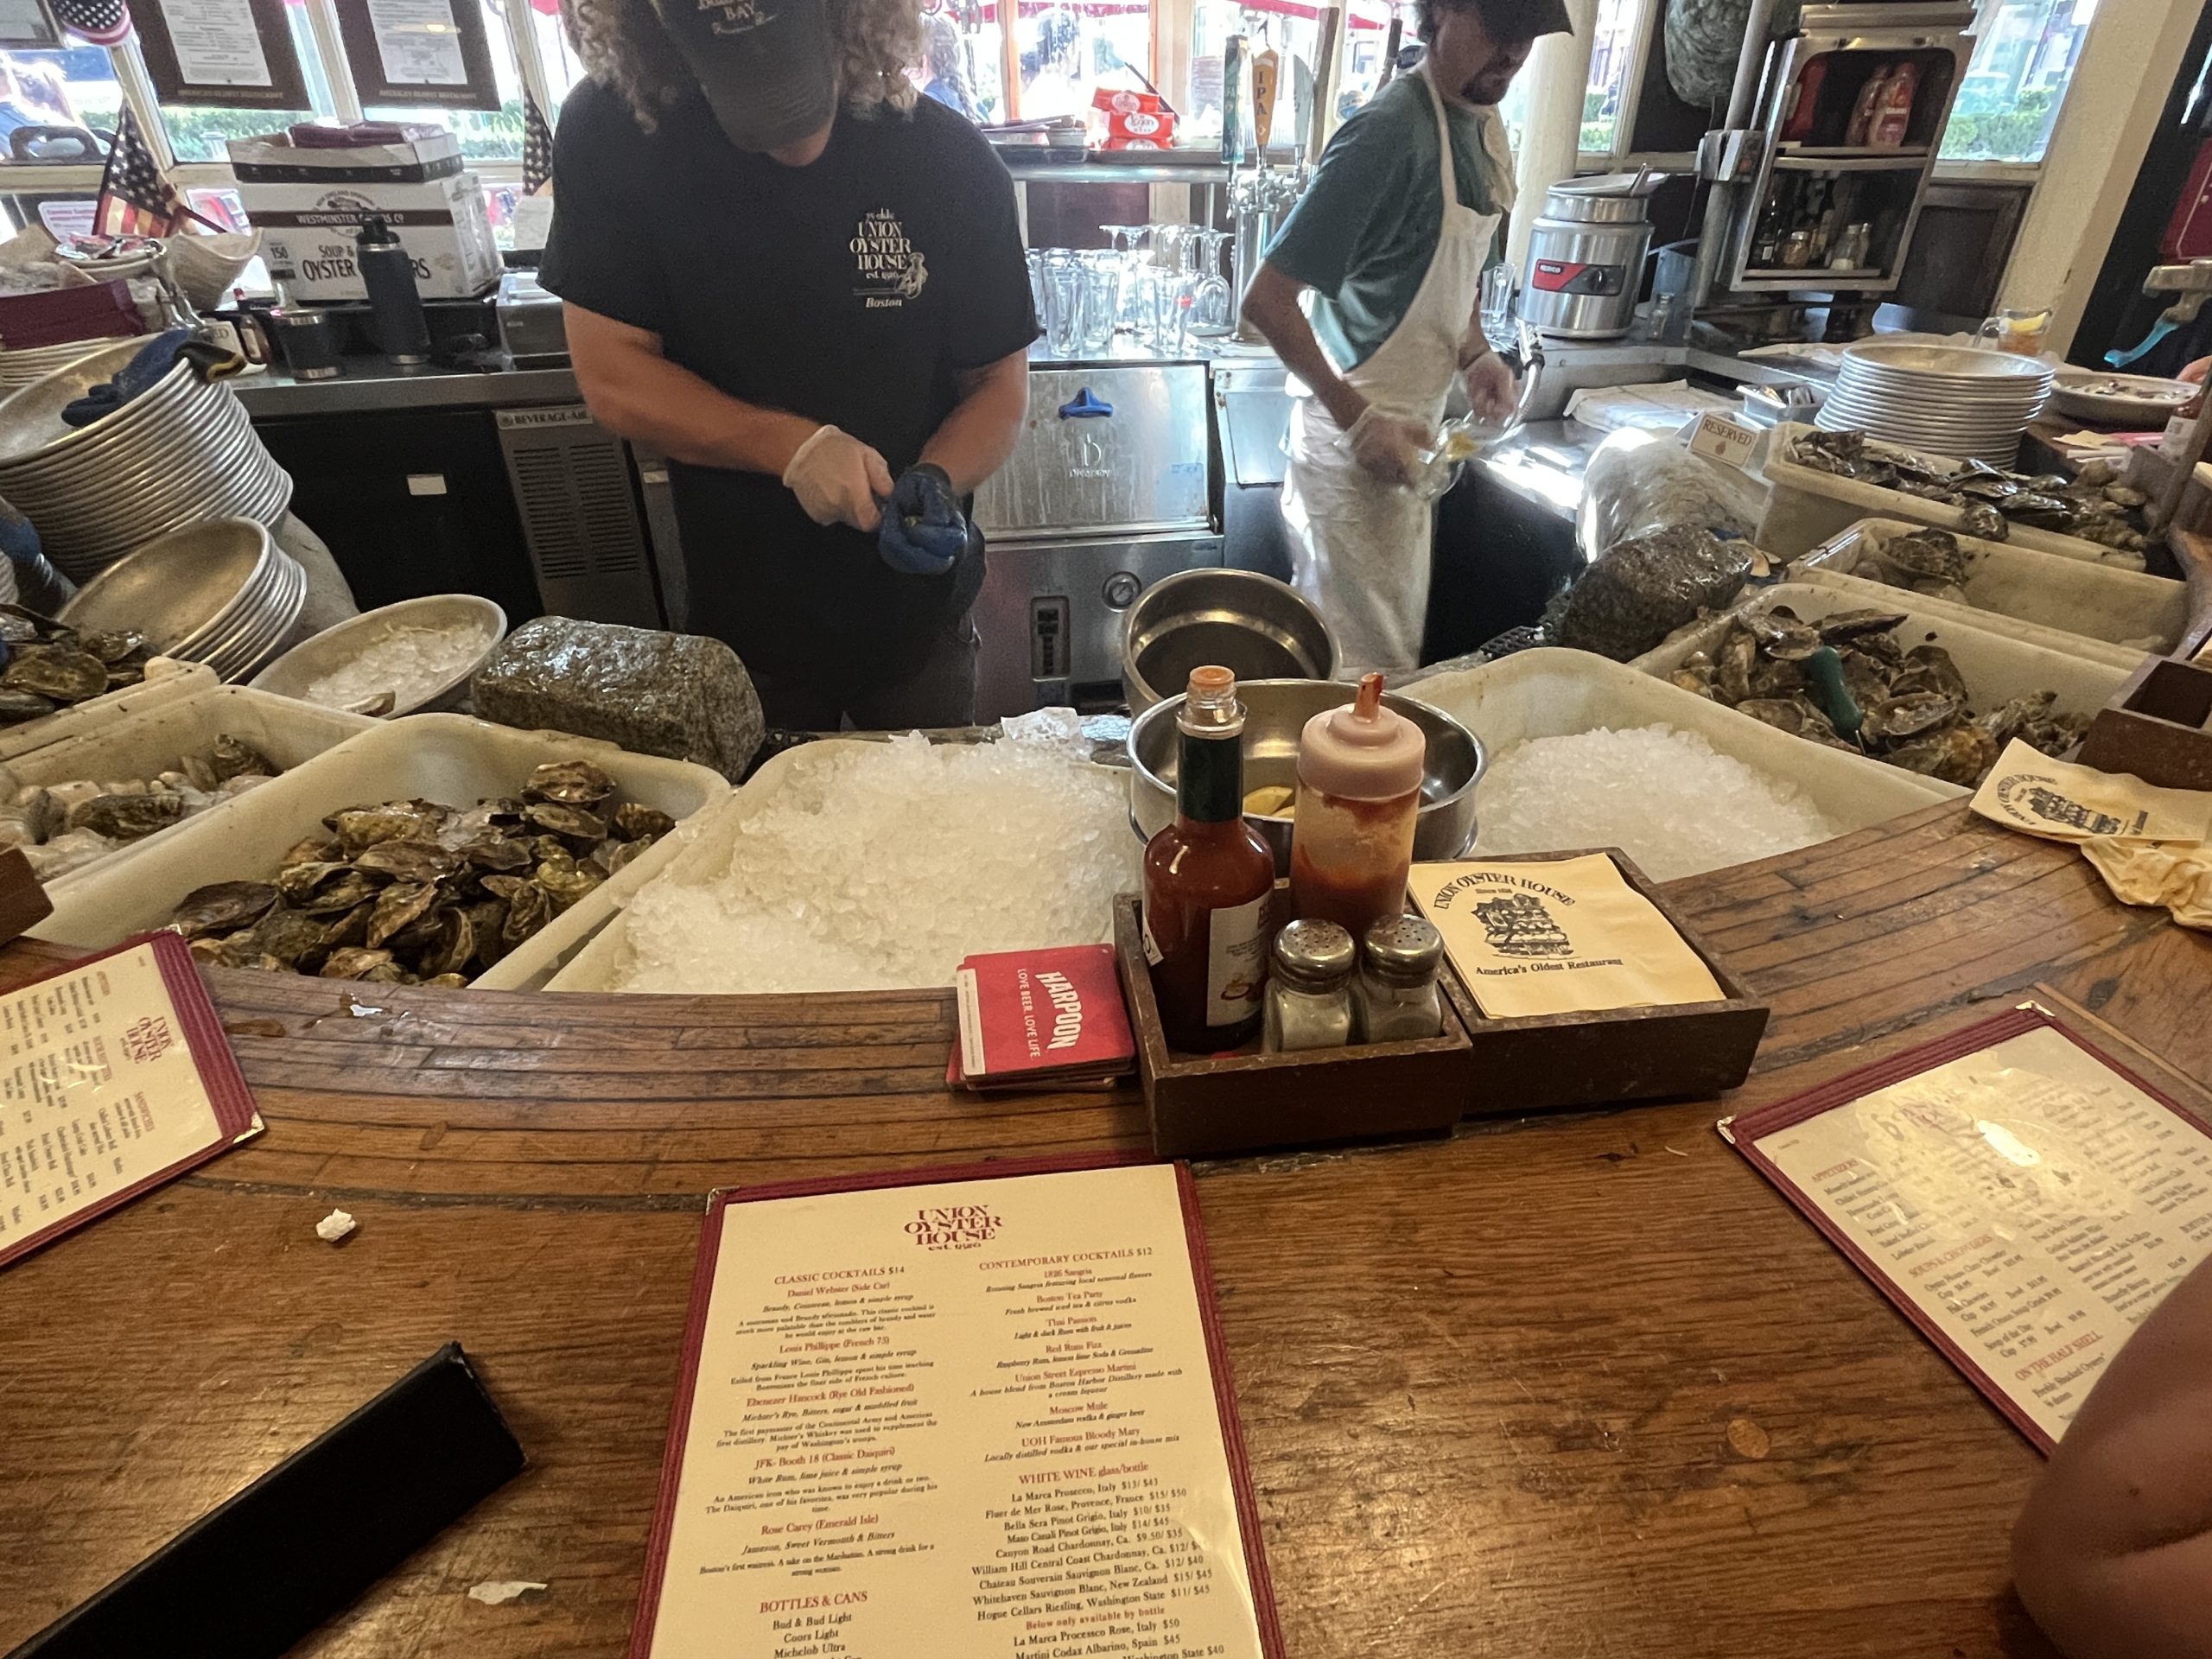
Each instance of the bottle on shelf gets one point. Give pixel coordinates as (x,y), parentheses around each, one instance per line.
(1209,882)
(1798,127)
(1359,776)
(1863,108)
(1893,114)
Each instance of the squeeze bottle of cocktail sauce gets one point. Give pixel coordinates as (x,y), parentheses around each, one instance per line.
(1359,776)
(1209,882)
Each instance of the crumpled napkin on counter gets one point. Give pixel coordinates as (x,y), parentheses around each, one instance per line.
(2173,873)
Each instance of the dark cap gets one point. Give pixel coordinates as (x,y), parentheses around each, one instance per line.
(768,67)
(1511,22)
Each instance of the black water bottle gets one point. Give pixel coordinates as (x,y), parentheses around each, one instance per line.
(403,331)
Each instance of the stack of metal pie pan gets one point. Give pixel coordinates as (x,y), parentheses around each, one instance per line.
(21,367)
(1948,400)
(182,451)
(221,593)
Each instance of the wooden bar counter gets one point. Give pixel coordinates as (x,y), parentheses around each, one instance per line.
(1581,1385)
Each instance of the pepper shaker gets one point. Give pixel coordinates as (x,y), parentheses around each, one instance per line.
(1397,994)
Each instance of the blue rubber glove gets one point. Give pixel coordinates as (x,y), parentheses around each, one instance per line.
(155,359)
(923,531)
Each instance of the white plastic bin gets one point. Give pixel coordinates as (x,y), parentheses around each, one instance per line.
(2023,591)
(166,680)
(1548,692)
(696,854)
(449,759)
(1996,668)
(1806,506)
(150,737)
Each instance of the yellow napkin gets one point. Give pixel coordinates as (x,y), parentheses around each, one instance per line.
(2029,791)
(1567,936)
(2176,875)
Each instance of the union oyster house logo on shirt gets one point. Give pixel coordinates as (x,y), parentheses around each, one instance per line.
(891,269)
(952,1226)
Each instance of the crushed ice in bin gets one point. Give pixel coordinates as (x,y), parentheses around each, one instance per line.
(1668,798)
(882,864)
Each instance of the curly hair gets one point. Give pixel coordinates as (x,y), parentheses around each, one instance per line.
(623,44)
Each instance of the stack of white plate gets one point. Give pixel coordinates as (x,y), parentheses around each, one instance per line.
(1949,400)
(20,368)
(182,451)
(221,593)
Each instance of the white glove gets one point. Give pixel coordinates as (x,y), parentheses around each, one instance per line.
(1389,445)
(838,479)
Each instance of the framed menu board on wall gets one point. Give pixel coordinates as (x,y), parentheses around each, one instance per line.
(416,52)
(232,54)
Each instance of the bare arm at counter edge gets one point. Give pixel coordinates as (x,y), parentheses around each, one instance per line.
(2112,1553)
(1271,302)
(632,389)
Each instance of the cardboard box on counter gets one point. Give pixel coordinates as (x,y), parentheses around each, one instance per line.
(311,233)
(272,157)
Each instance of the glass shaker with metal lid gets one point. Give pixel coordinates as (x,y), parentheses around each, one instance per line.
(1309,992)
(1397,994)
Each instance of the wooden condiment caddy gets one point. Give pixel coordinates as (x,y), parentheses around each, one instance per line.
(1223,1105)
(2157,725)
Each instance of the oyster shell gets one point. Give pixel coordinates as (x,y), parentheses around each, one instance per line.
(359,828)
(530,909)
(634,821)
(409,860)
(569,783)
(293,937)
(1957,754)
(570,824)
(50,672)
(1924,555)
(319,847)
(127,817)
(233,757)
(222,907)
(1908,715)
(454,946)
(398,905)
(112,646)
(357,962)
(16,707)
(448,981)
(567,880)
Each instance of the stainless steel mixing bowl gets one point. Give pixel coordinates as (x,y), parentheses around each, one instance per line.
(1253,626)
(1276,712)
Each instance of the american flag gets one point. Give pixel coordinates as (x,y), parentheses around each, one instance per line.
(537,146)
(104,22)
(136,197)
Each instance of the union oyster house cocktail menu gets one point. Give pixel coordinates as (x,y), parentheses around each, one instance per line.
(978,1414)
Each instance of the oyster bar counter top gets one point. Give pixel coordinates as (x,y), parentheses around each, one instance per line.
(1583,1383)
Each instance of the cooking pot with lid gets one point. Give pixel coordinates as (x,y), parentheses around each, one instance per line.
(1585,256)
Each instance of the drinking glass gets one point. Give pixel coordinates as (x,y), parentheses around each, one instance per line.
(1213,310)
(2016,330)
(1064,307)
(1497,303)
(1101,274)
(1034,259)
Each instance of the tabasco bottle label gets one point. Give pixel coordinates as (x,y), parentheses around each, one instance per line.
(1236,961)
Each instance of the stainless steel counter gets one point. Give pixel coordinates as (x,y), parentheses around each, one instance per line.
(372,384)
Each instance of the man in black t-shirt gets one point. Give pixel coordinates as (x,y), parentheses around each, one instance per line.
(809,294)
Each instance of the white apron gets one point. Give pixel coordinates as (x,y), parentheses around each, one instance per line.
(1362,546)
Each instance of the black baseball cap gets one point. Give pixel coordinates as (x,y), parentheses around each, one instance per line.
(1510,22)
(768,67)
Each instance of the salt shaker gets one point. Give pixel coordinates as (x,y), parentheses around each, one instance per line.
(1309,992)
(1397,995)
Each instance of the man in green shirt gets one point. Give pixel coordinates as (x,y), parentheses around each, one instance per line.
(1370,295)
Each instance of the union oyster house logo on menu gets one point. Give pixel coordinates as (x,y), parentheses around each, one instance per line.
(953,1226)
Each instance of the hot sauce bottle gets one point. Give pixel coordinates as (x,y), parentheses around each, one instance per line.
(1209,882)
(1359,776)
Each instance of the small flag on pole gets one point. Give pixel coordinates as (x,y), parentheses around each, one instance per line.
(536,147)
(136,197)
(104,22)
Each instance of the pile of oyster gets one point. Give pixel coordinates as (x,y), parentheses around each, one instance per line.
(62,827)
(2093,504)
(49,665)
(1910,703)
(411,893)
